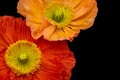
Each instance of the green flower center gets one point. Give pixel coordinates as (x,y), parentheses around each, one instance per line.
(23,57)
(58,14)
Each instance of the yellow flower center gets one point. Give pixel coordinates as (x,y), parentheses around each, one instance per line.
(58,13)
(23,57)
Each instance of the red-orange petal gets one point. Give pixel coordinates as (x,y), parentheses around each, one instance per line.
(11,30)
(4,70)
(61,53)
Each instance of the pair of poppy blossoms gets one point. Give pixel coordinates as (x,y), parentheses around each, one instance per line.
(36,48)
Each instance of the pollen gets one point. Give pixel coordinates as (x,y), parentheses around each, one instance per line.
(23,57)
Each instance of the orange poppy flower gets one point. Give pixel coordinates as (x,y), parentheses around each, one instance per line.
(58,19)
(23,58)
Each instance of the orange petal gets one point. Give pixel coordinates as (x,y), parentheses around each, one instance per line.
(71,33)
(47,1)
(37,31)
(84,8)
(34,15)
(76,3)
(71,3)
(21,8)
(57,35)
(48,32)
(30,7)
(87,20)
(33,23)
(65,34)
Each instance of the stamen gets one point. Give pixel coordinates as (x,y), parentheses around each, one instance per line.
(23,58)
(58,16)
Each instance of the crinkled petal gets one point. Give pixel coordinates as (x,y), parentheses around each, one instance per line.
(50,69)
(61,53)
(30,7)
(85,7)
(67,33)
(4,70)
(85,21)
(47,33)
(71,3)
(11,30)
(37,30)
(33,11)
(68,63)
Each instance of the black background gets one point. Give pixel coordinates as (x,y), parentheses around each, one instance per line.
(88,47)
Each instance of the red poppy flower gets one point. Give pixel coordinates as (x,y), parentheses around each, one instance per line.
(23,58)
